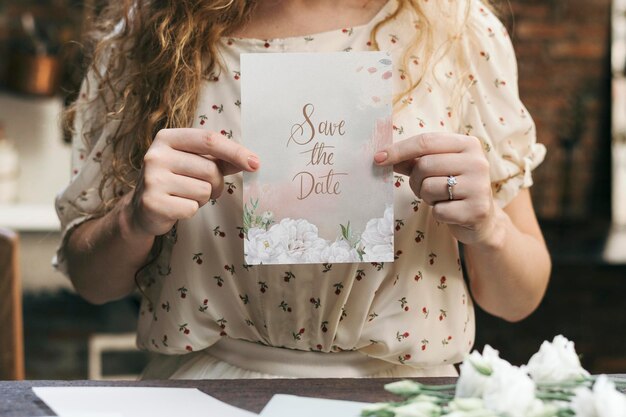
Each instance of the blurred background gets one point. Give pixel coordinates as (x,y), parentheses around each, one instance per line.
(571,56)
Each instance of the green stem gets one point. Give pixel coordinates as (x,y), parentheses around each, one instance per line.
(565,412)
(620,383)
(448,387)
(566,393)
(566,384)
(554,396)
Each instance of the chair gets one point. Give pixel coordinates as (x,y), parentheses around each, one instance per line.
(11,325)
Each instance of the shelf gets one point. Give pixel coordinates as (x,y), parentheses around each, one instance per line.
(33,125)
(29,217)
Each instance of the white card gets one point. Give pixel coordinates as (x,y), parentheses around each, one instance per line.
(316,120)
(282,405)
(134,402)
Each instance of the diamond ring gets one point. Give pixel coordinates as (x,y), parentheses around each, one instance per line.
(451,183)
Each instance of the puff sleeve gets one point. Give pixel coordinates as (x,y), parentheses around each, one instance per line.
(492,109)
(91,156)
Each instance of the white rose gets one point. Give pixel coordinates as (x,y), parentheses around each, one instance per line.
(504,388)
(603,401)
(377,239)
(475,371)
(339,251)
(509,391)
(556,362)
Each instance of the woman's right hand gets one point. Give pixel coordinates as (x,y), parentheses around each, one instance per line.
(183,169)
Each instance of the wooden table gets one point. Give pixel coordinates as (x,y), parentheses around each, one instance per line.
(18,400)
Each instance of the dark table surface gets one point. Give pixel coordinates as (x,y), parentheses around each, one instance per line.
(17,399)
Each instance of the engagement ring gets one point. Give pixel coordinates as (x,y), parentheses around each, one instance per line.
(451,183)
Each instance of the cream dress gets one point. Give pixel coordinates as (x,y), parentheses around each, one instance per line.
(209,315)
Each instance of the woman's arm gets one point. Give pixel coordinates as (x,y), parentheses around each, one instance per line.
(509,271)
(183,169)
(103,254)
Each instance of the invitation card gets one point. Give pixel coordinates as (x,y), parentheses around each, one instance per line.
(316,120)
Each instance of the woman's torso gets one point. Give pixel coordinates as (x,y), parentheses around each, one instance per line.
(416,310)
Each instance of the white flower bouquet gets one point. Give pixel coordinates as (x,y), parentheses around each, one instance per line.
(552,384)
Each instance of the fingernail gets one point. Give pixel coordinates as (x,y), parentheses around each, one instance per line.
(381,157)
(253,162)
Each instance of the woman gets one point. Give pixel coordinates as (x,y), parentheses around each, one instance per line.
(155,198)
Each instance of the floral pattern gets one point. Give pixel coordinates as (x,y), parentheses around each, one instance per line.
(296,241)
(200,289)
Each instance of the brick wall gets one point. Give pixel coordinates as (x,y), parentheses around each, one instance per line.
(563,54)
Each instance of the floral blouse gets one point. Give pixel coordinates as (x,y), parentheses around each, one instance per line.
(416,310)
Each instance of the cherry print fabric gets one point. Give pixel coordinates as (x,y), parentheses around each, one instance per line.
(416,311)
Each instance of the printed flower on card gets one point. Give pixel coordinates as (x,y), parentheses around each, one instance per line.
(377,239)
(298,240)
(340,251)
(260,247)
(290,241)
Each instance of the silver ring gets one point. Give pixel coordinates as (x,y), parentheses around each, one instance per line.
(451,183)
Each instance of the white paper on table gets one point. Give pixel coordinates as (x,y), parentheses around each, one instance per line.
(134,402)
(282,405)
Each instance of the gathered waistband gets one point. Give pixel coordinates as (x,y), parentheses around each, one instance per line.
(296,363)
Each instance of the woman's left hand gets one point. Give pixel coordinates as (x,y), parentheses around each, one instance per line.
(429,160)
